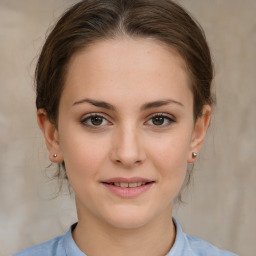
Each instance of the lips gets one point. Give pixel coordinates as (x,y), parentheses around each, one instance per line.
(128,187)
(127,180)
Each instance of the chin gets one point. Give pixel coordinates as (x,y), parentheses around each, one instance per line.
(127,222)
(129,218)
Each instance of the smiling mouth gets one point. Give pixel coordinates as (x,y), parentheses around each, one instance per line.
(125,188)
(128,185)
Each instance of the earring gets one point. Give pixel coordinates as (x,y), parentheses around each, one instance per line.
(194,154)
(55,155)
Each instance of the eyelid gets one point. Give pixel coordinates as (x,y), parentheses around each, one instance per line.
(171,119)
(163,115)
(93,114)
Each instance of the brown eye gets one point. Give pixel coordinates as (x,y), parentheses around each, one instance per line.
(158,120)
(96,120)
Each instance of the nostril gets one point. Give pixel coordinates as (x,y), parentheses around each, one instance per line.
(126,164)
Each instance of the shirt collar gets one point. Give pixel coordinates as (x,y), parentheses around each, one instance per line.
(178,247)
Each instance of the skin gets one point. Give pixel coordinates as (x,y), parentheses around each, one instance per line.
(126,73)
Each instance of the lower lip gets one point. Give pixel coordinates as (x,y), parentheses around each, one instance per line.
(128,192)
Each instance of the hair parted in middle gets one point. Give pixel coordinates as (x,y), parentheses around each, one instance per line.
(90,21)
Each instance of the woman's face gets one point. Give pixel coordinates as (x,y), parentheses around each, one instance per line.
(126,130)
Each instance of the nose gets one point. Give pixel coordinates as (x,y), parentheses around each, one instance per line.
(127,149)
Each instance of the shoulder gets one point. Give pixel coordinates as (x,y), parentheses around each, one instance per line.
(187,245)
(53,247)
(201,247)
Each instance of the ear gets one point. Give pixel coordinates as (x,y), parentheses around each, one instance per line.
(200,129)
(51,136)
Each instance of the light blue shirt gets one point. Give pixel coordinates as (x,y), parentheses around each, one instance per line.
(184,245)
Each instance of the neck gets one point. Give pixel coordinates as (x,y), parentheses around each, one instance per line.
(154,238)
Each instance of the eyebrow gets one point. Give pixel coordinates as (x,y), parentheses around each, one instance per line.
(159,103)
(148,105)
(97,103)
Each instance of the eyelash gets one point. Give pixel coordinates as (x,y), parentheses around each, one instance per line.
(165,116)
(93,115)
(90,116)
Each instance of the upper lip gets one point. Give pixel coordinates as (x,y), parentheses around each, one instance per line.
(127,180)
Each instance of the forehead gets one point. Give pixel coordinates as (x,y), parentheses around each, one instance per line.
(124,67)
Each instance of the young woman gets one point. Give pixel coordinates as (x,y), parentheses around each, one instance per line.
(124,102)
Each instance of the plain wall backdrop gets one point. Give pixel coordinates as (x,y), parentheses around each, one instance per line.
(220,204)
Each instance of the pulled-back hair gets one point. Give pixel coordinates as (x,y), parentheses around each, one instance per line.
(93,20)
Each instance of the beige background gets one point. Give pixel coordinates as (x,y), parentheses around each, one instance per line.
(220,204)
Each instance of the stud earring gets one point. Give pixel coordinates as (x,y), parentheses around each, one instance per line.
(55,155)
(194,154)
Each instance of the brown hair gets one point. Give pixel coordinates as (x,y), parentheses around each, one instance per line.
(92,20)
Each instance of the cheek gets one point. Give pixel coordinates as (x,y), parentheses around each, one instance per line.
(169,156)
(83,154)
